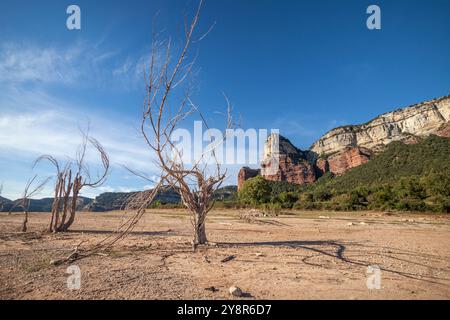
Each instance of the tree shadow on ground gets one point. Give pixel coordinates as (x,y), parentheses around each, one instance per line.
(338,251)
(271,222)
(135,233)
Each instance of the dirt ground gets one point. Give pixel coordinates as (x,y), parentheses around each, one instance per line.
(306,255)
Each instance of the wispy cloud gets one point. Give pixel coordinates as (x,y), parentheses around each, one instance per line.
(24,63)
(78,64)
(132,69)
(55,130)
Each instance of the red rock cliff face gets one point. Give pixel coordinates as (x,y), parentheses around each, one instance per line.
(444,131)
(322,166)
(300,167)
(347,159)
(290,170)
(246,173)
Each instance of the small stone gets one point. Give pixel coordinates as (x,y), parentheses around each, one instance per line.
(362,223)
(229,258)
(54,262)
(350,224)
(236,291)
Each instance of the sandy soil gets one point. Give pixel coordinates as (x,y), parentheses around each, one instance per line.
(308,255)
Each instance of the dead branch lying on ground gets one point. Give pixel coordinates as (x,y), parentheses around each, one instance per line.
(121,232)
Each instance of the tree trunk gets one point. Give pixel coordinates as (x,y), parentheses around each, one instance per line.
(200,234)
(72,210)
(25,221)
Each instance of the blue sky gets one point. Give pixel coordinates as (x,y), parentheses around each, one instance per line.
(303,67)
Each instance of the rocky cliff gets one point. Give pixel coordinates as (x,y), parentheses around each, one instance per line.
(344,148)
(347,159)
(246,173)
(294,164)
(420,120)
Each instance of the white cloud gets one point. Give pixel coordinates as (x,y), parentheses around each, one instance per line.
(51,126)
(49,132)
(131,71)
(76,64)
(124,68)
(20,63)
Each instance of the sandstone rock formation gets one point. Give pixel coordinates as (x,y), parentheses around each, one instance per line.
(444,130)
(246,173)
(418,120)
(294,170)
(347,159)
(344,148)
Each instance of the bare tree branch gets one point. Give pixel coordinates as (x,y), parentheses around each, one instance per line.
(194,182)
(70,179)
(24,203)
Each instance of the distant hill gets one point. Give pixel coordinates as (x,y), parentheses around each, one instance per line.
(4,202)
(227,193)
(39,205)
(118,200)
(109,201)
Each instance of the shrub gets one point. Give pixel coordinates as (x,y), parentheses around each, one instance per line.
(255,191)
(287,199)
(411,204)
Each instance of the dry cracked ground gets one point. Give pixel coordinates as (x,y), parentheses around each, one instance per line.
(303,255)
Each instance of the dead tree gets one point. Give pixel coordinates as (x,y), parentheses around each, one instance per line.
(24,202)
(197,181)
(70,179)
